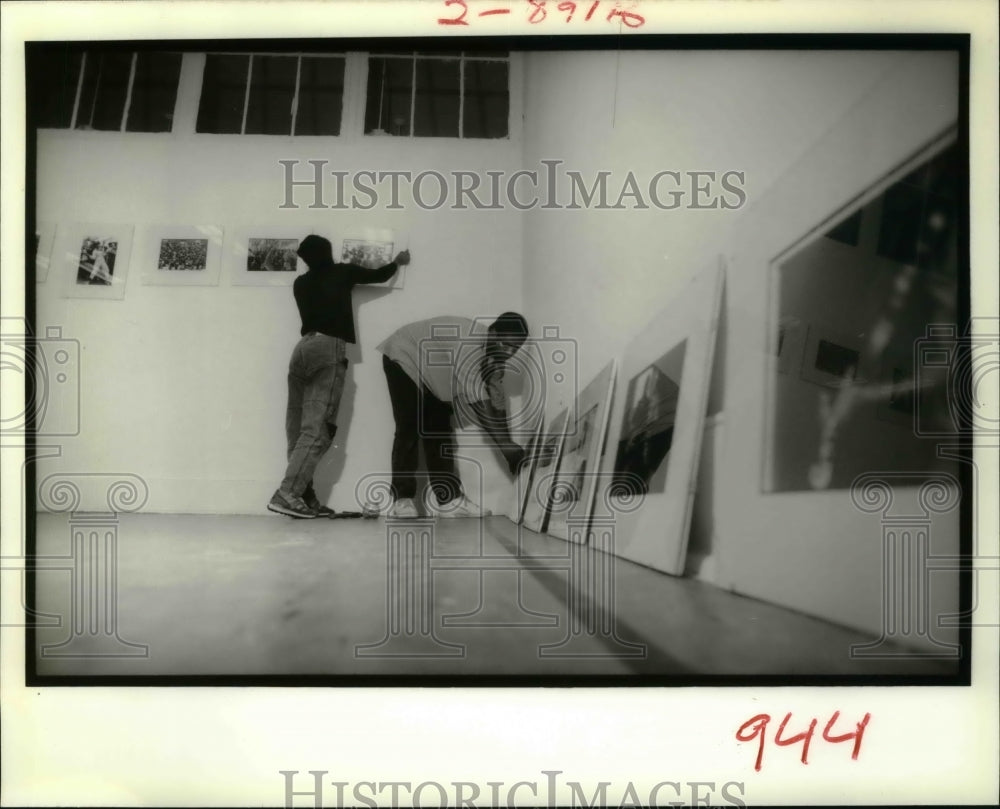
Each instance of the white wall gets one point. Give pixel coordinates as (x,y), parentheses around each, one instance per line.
(186,386)
(603,274)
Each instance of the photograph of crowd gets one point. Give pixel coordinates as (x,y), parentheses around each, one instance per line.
(272,255)
(648,425)
(96,264)
(183,254)
(367,254)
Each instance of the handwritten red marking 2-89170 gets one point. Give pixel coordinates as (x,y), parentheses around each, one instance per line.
(538,11)
(756,728)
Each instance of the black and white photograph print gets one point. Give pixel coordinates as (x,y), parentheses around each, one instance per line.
(648,425)
(746,280)
(94,259)
(374,247)
(272,255)
(367,254)
(259,255)
(183,255)
(97,261)
(295,461)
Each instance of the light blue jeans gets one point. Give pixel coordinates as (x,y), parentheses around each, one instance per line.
(315,384)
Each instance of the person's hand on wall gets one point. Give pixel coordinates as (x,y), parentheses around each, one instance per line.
(402,258)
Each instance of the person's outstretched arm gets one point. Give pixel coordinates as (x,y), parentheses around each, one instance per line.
(359,275)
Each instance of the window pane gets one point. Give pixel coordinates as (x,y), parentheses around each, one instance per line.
(105,84)
(272,88)
(321,94)
(52,78)
(487,101)
(435,112)
(154,91)
(223,91)
(388,101)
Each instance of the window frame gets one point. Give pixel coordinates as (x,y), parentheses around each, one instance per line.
(74,119)
(298,55)
(461,57)
(184,123)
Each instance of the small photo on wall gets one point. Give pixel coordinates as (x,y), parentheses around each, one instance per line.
(183,256)
(96,264)
(372,248)
(95,260)
(262,257)
(272,255)
(370,255)
(44,237)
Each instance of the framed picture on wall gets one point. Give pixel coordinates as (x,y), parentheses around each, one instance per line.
(182,255)
(831,358)
(654,442)
(373,248)
(263,256)
(45,234)
(93,260)
(576,482)
(543,465)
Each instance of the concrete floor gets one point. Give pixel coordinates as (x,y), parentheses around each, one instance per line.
(258,596)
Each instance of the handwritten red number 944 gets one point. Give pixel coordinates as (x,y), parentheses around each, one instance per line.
(756,728)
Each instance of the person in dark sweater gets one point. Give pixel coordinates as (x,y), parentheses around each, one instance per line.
(318,367)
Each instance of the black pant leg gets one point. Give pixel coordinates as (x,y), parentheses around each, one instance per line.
(439,446)
(405,398)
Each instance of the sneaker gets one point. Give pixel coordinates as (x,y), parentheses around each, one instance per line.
(403,509)
(461,506)
(311,500)
(291,506)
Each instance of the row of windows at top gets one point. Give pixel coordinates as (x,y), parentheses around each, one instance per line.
(455,95)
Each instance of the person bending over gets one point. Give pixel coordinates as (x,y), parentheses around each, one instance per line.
(433,368)
(317,368)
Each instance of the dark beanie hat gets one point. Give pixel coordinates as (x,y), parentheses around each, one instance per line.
(511,324)
(315,250)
